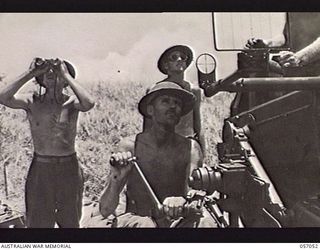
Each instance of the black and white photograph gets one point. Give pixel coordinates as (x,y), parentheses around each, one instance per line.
(199,120)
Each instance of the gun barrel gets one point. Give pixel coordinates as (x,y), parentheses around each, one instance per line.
(273,83)
(215,87)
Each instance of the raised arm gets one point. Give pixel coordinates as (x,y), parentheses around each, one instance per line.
(84,102)
(303,57)
(9,96)
(109,199)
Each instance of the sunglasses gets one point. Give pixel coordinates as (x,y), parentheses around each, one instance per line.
(175,56)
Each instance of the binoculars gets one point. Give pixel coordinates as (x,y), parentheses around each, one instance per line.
(51,62)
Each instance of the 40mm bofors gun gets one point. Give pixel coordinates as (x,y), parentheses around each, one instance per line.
(269,165)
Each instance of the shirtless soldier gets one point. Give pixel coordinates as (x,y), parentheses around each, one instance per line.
(165,157)
(173,62)
(54,183)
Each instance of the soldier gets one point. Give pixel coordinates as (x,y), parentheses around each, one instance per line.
(165,157)
(173,62)
(54,183)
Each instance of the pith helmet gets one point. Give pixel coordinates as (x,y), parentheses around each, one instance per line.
(182,48)
(162,88)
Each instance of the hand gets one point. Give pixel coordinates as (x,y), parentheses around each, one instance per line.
(38,66)
(256,43)
(289,59)
(195,201)
(173,206)
(60,67)
(204,84)
(61,70)
(120,165)
(70,101)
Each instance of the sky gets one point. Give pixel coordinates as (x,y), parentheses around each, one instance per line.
(120,47)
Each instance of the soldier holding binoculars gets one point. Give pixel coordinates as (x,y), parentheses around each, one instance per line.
(54,184)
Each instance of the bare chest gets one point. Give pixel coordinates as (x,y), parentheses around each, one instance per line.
(167,159)
(46,116)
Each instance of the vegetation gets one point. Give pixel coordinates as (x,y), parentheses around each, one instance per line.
(114,117)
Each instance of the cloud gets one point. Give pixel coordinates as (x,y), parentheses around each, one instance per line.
(102,46)
(140,61)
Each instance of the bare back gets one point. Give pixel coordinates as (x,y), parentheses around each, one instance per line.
(53,127)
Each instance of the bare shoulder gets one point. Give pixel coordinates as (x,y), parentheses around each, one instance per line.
(196,91)
(191,144)
(182,139)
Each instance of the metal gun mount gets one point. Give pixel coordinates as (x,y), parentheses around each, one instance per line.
(253,74)
(237,148)
(240,176)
